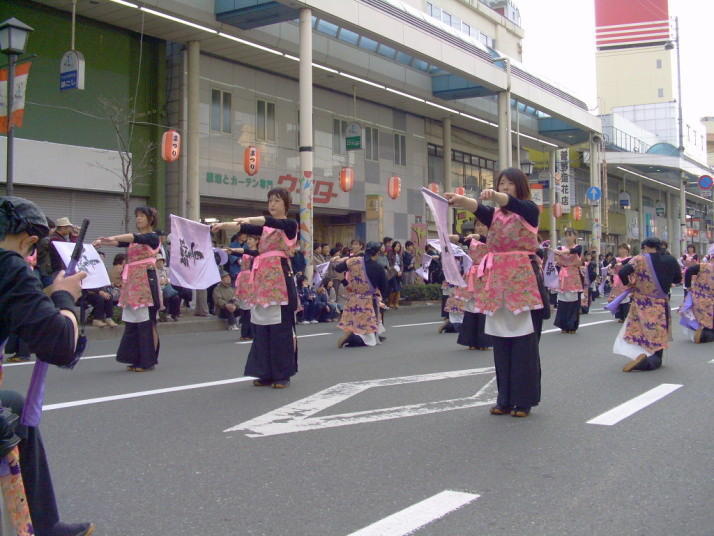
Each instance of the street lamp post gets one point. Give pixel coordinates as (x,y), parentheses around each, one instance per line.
(13,40)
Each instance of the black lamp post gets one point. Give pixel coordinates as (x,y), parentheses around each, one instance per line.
(13,40)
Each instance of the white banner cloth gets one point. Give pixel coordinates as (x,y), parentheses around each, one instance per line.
(423,270)
(550,272)
(192,262)
(90,262)
(319,275)
(439,207)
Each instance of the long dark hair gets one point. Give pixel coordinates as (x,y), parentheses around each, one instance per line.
(517,177)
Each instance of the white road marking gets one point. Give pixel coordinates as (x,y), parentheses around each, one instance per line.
(81,359)
(299,337)
(299,416)
(631,407)
(139,394)
(419,324)
(554,330)
(418,515)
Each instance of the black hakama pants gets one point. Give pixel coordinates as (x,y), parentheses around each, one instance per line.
(517,363)
(137,347)
(472,331)
(246,328)
(273,354)
(622,310)
(707,335)
(568,316)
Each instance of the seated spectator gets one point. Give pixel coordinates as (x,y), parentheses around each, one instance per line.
(225,301)
(331,292)
(115,276)
(325,313)
(172,300)
(308,301)
(102,306)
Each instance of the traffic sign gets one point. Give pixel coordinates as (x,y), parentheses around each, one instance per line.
(705,182)
(593,194)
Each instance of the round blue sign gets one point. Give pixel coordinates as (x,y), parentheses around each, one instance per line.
(705,182)
(594,193)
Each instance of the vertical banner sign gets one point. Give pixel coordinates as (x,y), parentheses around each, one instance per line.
(566,184)
(418,236)
(439,207)
(22,72)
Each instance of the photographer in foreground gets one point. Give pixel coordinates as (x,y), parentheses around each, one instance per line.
(46,321)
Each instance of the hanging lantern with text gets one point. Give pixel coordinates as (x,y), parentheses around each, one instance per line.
(577,213)
(460,190)
(394,187)
(347,178)
(433,187)
(170,146)
(251,160)
(557,210)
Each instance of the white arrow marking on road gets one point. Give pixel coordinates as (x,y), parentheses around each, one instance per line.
(298,416)
(299,337)
(631,407)
(419,515)
(81,359)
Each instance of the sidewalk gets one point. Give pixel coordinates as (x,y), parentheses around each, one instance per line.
(193,324)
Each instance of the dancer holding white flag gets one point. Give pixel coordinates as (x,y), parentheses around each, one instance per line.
(273,354)
(513,297)
(140,296)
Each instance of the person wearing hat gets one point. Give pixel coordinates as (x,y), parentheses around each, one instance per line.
(700,299)
(224,299)
(64,232)
(47,322)
(366,284)
(645,333)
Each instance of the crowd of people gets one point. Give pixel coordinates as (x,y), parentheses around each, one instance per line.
(511,280)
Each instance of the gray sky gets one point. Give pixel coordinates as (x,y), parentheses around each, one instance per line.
(560,44)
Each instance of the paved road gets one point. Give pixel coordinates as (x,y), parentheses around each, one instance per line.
(336,462)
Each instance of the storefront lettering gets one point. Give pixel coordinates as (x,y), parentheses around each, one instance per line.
(324,191)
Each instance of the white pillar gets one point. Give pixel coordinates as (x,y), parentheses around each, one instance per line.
(553,200)
(505,144)
(682,215)
(595,176)
(193,198)
(193,195)
(641,208)
(448,187)
(306,150)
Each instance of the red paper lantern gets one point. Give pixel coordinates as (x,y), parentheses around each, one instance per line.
(557,210)
(170,146)
(394,187)
(577,213)
(251,160)
(460,190)
(433,187)
(347,178)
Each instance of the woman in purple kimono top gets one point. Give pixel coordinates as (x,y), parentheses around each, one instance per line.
(646,331)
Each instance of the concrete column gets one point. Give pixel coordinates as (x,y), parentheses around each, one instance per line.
(306,150)
(553,200)
(671,221)
(448,187)
(505,145)
(595,176)
(641,208)
(193,196)
(682,216)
